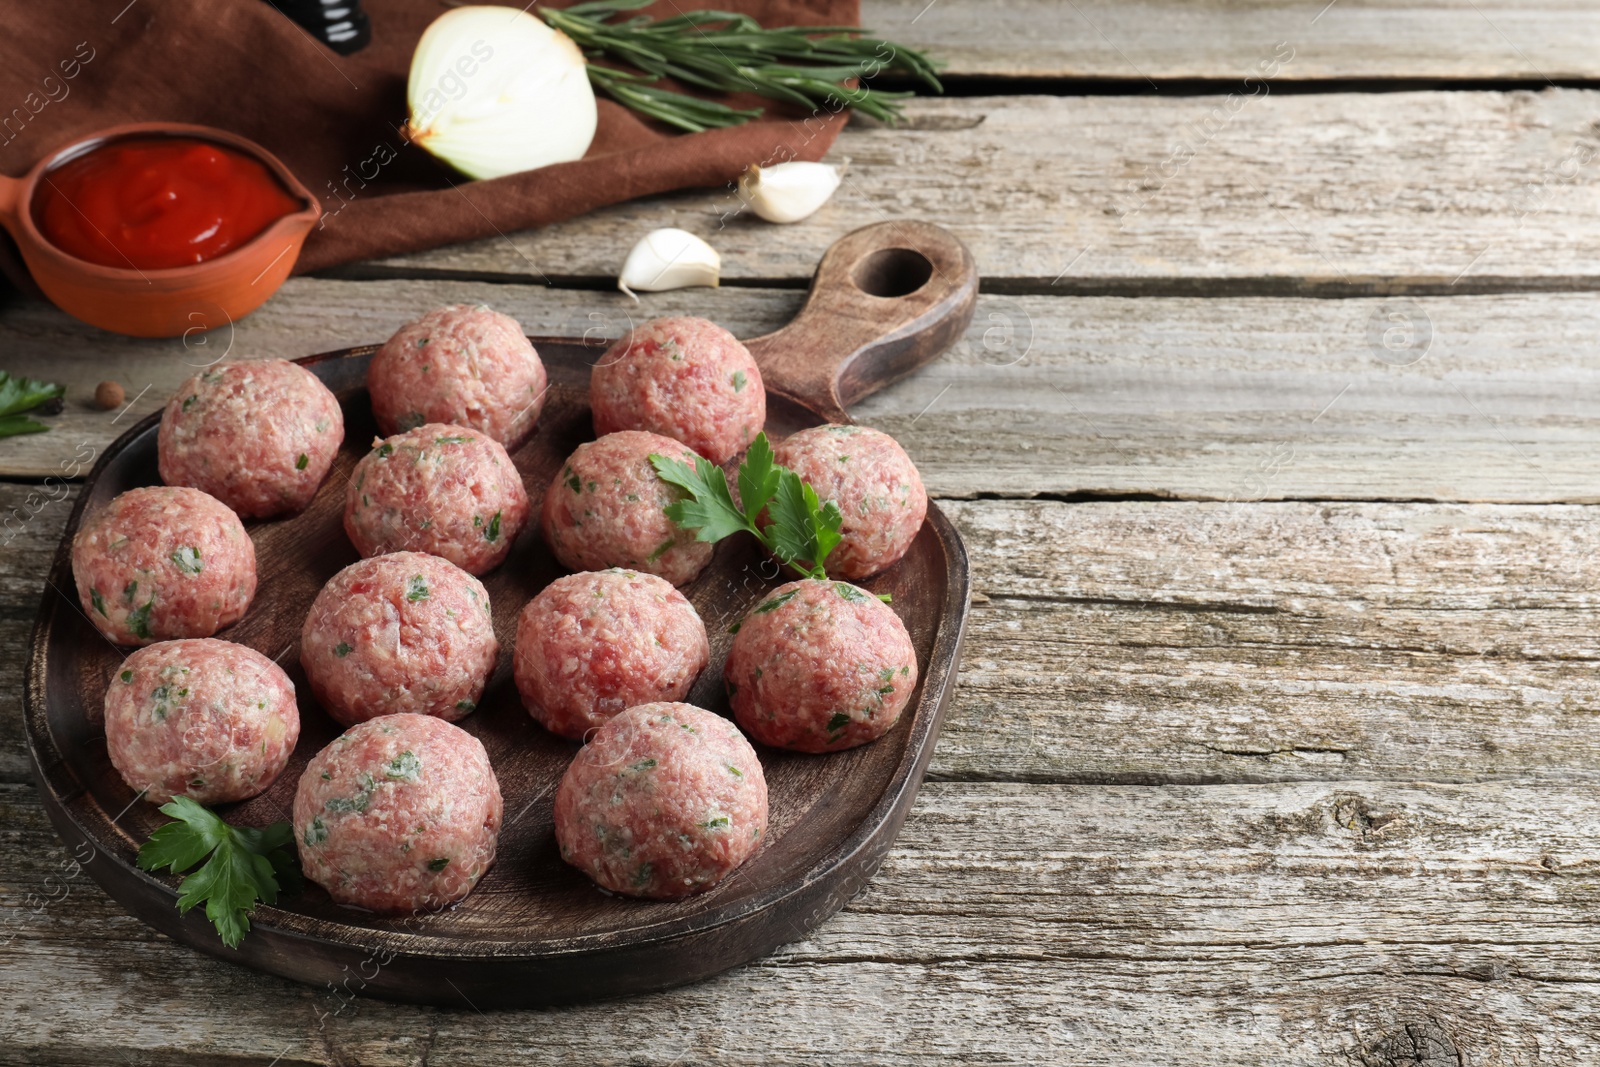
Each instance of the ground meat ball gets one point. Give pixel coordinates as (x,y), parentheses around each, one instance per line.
(665,801)
(258,436)
(163,562)
(399,814)
(604,510)
(441,489)
(820,666)
(403,633)
(683,377)
(872,481)
(590,645)
(465,365)
(206,719)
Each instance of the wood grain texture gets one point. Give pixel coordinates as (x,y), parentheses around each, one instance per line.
(1236,398)
(1164,642)
(1475,398)
(1163,39)
(1360,922)
(1275,925)
(1139,642)
(1340,191)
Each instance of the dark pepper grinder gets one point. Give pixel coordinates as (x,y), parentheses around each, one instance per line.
(340,24)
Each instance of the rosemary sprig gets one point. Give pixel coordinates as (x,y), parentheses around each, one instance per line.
(725,52)
(638,91)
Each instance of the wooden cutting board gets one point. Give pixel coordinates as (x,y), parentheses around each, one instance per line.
(885,300)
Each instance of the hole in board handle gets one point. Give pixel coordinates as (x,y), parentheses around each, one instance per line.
(892,272)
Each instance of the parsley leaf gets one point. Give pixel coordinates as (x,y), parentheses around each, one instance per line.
(406,767)
(245,864)
(138,621)
(709,509)
(801,529)
(758,477)
(17,425)
(775,603)
(25,394)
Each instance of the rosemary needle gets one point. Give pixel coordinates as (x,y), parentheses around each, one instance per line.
(725,52)
(686,112)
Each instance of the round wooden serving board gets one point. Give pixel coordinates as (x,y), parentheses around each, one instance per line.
(885,300)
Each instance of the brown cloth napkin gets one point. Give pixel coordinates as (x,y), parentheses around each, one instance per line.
(242,66)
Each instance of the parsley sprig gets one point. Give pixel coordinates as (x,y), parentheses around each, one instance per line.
(801,530)
(725,52)
(24,394)
(246,865)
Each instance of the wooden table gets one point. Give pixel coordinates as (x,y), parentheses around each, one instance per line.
(1274,446)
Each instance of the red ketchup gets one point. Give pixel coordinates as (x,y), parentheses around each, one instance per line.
(156,202)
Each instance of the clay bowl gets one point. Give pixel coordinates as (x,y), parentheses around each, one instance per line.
(171,301)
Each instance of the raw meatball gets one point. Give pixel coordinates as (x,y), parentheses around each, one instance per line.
(465,365)
(820,666)
(604,510)
(399,814)
(875,486)
(683,377)
(403,633)
(590,645)
(163,562)
(441,489)
(665,801)
(204,718)
(258,436)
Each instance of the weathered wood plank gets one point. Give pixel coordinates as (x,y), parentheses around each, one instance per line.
(1281,925)
(1191,642)
(1261,399)
(1164,39)
(1342,190)
(1237,398)
(14,763)
(1233,642)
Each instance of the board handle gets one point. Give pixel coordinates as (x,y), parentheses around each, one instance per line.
(885,301)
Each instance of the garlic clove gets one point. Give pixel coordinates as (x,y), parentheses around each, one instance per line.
(787,192)
(494,91)
(669,259)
